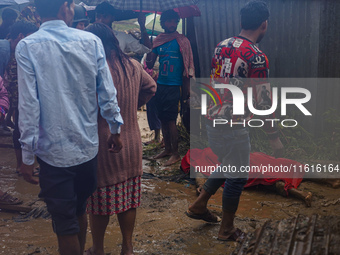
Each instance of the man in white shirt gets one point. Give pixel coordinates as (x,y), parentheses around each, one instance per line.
(63,77)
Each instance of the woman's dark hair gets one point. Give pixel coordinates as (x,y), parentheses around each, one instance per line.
(50,8)
(9,13)
(114,55)
(22,27)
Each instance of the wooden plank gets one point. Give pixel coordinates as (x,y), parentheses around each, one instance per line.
(258,239)
(291,238)
(16,208)
(310,234)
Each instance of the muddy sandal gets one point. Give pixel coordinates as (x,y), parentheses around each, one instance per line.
(7,199)
(237,236)
(207,216)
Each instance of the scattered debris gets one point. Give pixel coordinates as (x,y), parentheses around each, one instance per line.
(37,212)
(331,203)
(294,236)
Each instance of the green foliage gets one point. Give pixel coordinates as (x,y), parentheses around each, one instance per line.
(125,25)
(329,142)
(300,144)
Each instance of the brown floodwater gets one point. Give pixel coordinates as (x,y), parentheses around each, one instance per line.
(161,226)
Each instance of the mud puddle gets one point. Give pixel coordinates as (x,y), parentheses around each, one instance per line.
(161,226)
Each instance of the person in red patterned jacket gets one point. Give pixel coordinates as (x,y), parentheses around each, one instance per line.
(239,62)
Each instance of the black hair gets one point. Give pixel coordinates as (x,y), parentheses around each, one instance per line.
(169,15)
(50,8)
(253,14)
(114,55)
(105,8)
(9,13)
(22,27)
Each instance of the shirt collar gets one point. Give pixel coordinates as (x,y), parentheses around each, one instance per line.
(242,37)
(53,23)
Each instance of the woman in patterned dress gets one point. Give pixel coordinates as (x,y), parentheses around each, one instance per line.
(119,175)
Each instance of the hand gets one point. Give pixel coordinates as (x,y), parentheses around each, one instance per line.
(114,143)
(141,20)
(27,173)
(277,147)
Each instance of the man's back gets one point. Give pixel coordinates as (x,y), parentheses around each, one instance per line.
(235,61)
(66,65)
(239,58)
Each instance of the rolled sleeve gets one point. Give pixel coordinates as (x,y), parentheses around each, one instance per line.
(107,94)
(28,105)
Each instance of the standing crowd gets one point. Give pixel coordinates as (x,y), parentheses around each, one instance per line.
(74,95)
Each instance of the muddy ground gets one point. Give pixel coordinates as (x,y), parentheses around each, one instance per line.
(161,227)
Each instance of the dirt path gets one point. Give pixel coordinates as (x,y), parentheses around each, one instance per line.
(161,227)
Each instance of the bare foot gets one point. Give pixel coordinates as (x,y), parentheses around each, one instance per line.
(308,199)
(162,155)
(335,183)
(172,160)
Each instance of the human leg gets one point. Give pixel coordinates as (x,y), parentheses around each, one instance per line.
(18,156)
(127,223)
(231,199)
(16,143)
(199,206)
(237,155)
(69,245)
(98,224)
(216,179)
(82,220)
(173,137)
(157,135)
(167,99)
(85,184)
(153,120)
(167,141)
(305,196)
(114,199)
(8,119)
(65,191)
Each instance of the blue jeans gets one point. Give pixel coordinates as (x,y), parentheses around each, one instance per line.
(232,146)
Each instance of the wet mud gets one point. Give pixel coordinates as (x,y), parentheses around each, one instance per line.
(161,226)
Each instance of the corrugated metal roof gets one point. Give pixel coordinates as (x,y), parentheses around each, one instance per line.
(302,41)
(293,34)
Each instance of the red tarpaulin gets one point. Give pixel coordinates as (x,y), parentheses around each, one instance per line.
(292,178)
